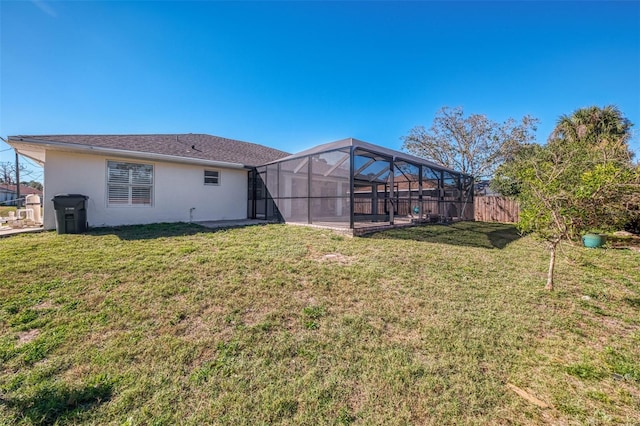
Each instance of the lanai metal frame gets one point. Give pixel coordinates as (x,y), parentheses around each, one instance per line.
(352,183)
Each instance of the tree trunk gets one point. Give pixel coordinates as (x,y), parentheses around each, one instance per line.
(552,264)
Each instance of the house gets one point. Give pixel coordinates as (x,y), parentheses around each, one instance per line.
(137,179)
(8,193)
(483,188)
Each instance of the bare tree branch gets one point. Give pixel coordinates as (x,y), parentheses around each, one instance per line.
(473,145)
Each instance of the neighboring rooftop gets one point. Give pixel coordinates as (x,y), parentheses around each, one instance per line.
(24,190)
(189,145)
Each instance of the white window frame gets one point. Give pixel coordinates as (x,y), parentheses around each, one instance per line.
(130,185)
(212,171)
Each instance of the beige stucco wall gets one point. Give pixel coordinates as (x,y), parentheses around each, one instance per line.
(177,189)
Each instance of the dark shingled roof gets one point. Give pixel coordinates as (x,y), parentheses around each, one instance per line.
(197,146)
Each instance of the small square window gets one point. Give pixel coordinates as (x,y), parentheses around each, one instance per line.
(211,177)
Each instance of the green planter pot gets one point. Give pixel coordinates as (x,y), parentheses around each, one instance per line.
(592,240)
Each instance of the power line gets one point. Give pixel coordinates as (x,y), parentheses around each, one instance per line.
(30,162)
(28,173)
(35,177)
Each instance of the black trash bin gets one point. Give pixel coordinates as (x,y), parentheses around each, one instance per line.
(71,213)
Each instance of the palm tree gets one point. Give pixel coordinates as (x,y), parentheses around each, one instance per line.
(605,128)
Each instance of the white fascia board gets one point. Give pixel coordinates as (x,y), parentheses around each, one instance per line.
(62,146)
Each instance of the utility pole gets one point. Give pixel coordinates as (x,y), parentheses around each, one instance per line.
(17,181)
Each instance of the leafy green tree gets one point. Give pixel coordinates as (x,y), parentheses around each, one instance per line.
(583,179)
(473,145)
(33,184)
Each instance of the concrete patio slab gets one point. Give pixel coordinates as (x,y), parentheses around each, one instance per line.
(7,232)
(224,224)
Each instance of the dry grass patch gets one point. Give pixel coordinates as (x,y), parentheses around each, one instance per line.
(338,258)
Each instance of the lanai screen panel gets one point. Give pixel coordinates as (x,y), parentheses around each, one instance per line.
(293,190)
(330,187)
(260,203)
(452,194)
(371,177)
(313,188)
(406,181)
(431,190)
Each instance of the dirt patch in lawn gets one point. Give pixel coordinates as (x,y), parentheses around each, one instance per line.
(44,306)
(27,336)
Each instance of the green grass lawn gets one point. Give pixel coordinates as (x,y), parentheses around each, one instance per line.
(176,324)
(4,210)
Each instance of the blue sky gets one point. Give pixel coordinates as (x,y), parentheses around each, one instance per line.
(295,74)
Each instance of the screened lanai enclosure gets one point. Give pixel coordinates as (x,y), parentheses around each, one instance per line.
(354,184)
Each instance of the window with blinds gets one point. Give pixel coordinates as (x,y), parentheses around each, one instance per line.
(129,184)
(211,177)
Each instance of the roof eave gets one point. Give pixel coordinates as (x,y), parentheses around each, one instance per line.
(126,153)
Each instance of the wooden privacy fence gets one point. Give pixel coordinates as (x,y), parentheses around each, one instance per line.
(490,208)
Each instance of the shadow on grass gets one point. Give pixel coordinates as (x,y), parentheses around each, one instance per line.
(53,404)
(164,230)
(634,302)
(470,234)
(152,231)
